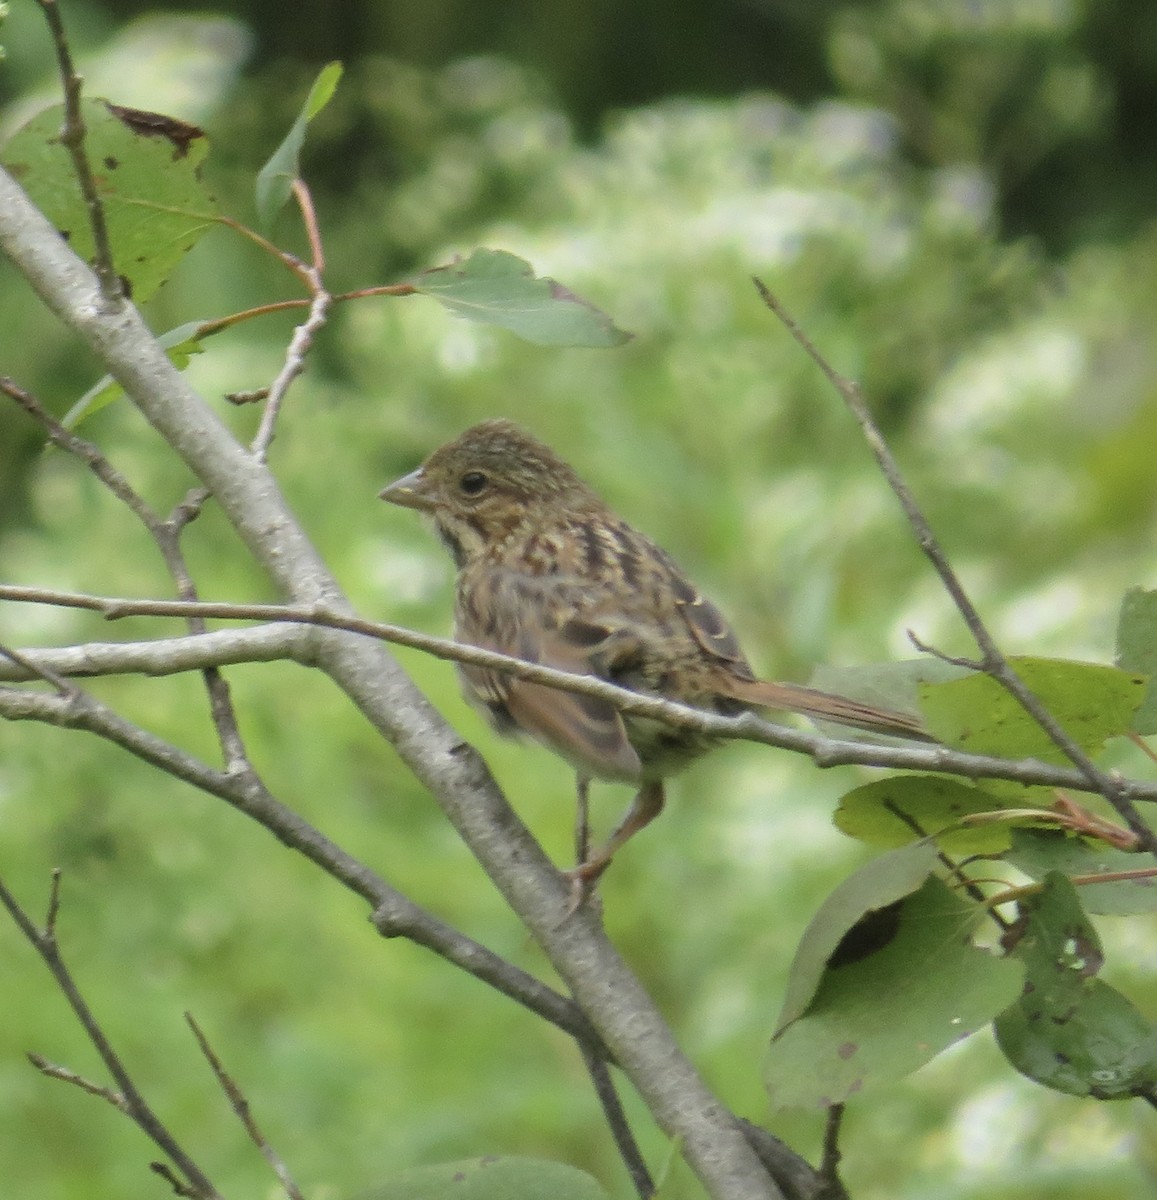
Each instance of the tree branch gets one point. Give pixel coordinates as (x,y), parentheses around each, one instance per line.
(244,1113)
(166,536)
(394,914)
(129,1099)
(993,661)
(225,647)
(72,137)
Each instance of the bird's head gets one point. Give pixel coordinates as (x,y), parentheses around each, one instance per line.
(490,481)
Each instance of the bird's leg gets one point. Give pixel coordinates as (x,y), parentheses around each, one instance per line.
(582,820)
(646,806)
(581,888)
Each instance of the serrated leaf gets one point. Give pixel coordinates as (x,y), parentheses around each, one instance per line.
(890,1011)
(1091,701)
(497,288)
(871,889)
(275,179)
(1137,650)
(180,344)
(904,808)
(491,1178)
(1037,852)
(147,169)
(1071,1031)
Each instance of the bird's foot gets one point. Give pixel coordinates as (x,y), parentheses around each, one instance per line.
(583,880)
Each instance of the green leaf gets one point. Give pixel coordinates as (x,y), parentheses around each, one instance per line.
(893,1008)
(497,288)
(1070,1031)
(491,1178)
(1137,650)
(1091,701)
(275,179)
(180,344)
(905,808)
(871,889)
(1037,852)
(147,169)
(886,685)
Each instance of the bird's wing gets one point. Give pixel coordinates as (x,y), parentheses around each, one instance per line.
(707,624)
(534,618)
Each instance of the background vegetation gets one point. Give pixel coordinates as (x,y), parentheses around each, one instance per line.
(955,199)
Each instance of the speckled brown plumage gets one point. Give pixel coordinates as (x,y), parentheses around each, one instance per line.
(548,573)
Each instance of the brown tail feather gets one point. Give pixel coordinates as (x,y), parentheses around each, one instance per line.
(825,706)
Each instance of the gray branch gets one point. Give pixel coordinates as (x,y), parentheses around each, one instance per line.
(166,656)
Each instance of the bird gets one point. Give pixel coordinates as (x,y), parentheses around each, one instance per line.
(547,572)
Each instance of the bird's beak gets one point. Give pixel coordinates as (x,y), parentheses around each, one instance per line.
(411,491)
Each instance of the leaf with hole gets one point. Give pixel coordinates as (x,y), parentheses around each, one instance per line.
(147,170)
(883,1013)
(1070,1031)
(873,888)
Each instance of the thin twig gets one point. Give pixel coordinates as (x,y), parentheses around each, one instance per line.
(832,1187)
(620,1127)
(72,137)
(241,1108)
(86,451)
(54,1071)
(950,865)
(166,535)
(993,661)
(303,335)
(39,670)
(304,200)
(299,346)
(132,1103)
(179,1188)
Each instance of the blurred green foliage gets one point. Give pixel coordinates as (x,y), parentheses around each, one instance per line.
(1016,375)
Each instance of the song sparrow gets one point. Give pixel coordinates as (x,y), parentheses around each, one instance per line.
(549,574)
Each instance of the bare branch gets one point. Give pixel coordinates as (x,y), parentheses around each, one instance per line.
(37,670)
(224,647)
(298,348)
(793,1174)
(994,662)
(162,656)
(303,335)
(244,1113)
(129,1100)
(53,1071)
(72,136)
(394,915)
(86,451)
(166,534)
(620,1127)
(832,1187)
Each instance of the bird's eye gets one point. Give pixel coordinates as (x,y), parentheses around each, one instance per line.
(472,483)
